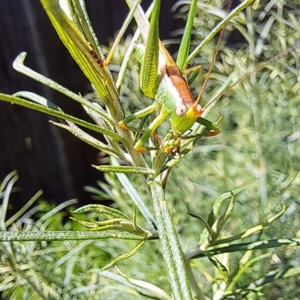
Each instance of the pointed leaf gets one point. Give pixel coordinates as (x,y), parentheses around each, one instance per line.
(186,39)
(171,250)
(142,287)
(218,204)
(8,236)
(135,197)
(252,230)
(220,25)
(217,226)
(222,269)
(88,139)
(58,114)
(205,224)
(102,210)
(19,66)
(86,224)
(124,256)
(85,56)
(125,169)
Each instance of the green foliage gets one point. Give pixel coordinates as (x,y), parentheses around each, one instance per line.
(223,223)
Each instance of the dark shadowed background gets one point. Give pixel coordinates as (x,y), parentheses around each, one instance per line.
(47,157)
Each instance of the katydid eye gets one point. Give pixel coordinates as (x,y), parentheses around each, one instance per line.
(180,110)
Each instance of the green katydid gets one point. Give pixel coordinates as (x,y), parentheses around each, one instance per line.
(162,80)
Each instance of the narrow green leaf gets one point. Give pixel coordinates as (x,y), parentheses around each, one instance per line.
(122,30)
(266,244)
(252,230)
(130,50)
(219,202)
(135,197)
(47,216)
(97,194)
(74,252)
(19,66)
(142,287)
(205,224)
(193,74)
(37,99)
(171,250)
(81,20)
(124,224)
(124,256)
(117,152)
(135,225)
(123,227)
(101,209)
(119,222)
(141,18)
(7,179)
(58,114)
(28,204)
(10,181)
(88,139)
(275,275)
(186,39)
(65,235)
(220,25)
(217,226)
(261,282)
(276,217)
(103,123)
(86,57)
(125,169)
(86,224)
(222,269)
(243,269)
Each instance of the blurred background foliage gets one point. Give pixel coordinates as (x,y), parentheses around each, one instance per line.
(258,149)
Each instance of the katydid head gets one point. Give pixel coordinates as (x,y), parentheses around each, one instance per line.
(184,117)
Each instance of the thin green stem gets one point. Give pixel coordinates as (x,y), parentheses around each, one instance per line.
(276,243)
(211,35)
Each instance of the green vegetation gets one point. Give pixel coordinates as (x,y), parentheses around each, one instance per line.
(217,220)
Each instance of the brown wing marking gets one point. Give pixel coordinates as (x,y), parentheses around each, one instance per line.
(180,84)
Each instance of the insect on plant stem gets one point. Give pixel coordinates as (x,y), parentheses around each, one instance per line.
(162,80)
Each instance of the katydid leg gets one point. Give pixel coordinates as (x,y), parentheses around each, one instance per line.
(211,129)
(139,145)
(138,115)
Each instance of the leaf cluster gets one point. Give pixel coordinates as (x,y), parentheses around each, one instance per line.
(186,238)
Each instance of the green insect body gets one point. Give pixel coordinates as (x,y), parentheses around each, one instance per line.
(172,96)
(178,100)
(162,80)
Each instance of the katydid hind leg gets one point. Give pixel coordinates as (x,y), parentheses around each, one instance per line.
(211,129)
